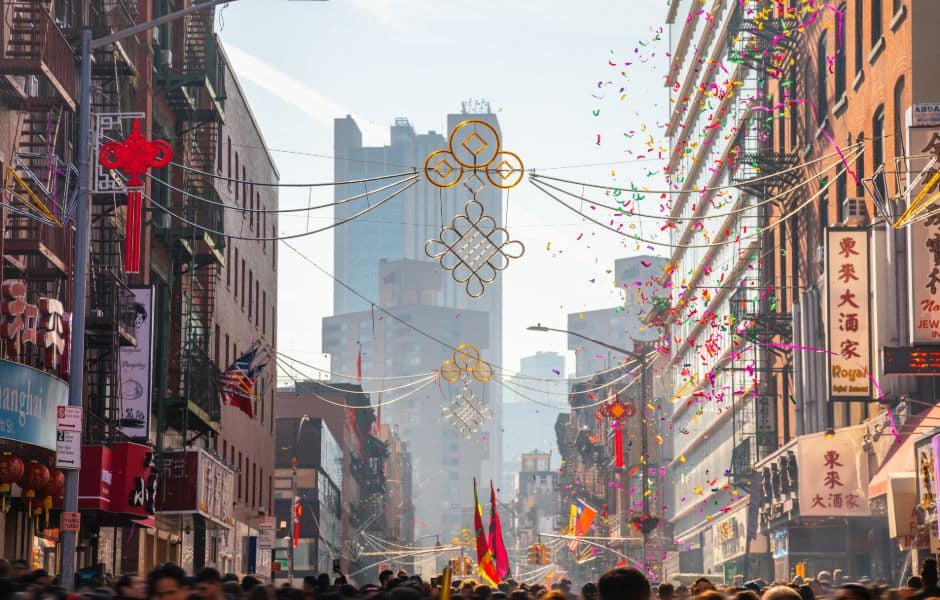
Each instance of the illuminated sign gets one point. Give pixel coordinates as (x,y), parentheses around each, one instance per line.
(912,360)
(924,239)
(849,310)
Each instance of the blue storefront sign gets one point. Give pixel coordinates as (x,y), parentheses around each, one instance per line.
(28,398)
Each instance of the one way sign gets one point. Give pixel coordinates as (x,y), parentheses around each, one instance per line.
(68,449)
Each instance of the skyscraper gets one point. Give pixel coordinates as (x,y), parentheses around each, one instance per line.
(399,230)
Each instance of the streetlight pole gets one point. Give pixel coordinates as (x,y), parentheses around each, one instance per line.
(640,354)
(82,249)
(293,506)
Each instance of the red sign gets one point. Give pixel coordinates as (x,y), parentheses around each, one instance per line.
(46,326)
(276,566)
(71,521)
(94,483)
(193,481)
(133,489)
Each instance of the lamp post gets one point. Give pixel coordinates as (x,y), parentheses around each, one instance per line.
(82,247)
(294,502)
(640,354)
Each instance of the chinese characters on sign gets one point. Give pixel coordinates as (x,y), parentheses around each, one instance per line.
(924,238)
(45,325)
(833,481)
(849,313)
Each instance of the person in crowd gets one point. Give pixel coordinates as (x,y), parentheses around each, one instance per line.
(385,577)
(167,582)
(209,584)
(589,591)
(780,592)
(128,587)
(623,584)
(666,591)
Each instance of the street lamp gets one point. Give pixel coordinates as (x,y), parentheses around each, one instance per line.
(82,246)
(293,504)
(640,353)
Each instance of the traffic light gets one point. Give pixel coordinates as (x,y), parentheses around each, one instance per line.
(534,556)
(467,566)
(544,557)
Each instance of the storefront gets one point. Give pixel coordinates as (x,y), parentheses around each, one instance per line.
(814,504)
(735,556)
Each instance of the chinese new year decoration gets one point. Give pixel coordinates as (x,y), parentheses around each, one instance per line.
(465,362)
(34,482)
(11,471)
(617,410)
(133,157)
(53,489)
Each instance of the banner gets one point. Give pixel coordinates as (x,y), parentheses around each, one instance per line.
(849,308)
(924,250)
(28,401)
(833,474)
(136,369)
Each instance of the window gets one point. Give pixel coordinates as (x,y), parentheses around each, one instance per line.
(229,171)
(264,312)
(899,117)
(228,264)
(218,343)
(236,273)
(875,21)
(840,60)
(219,152)
(227,363)
(243,284)
(251,292)
(858,35)
(257,301)
(240,471)
(244,186)
(822,71)
(878,147)
(254,482)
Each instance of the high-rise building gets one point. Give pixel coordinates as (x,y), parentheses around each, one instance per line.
(618,325)
(399,230)
(536,500)
(389,350)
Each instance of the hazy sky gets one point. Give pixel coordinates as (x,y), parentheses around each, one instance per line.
(538,62)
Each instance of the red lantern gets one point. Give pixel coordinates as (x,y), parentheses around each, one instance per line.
(11,470)
(54,488)
(33,481)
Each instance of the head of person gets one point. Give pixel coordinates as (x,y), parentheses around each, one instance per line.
(482,592)
(167,582)
(682,592)
(702,584)
(209,584)
(710,595)
(466,589)
(385,576)
(131,586)
(914,582)
(555,595)
(323,583)
(310,583)
(623,584)
(519,595)
(853,591)
(746,594)
(666,591)
(589,591)
(806,592)
(232,590)
(250,582)
(780,592)
(928,571)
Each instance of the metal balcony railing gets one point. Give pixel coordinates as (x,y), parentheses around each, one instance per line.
(112,309)
(34,48)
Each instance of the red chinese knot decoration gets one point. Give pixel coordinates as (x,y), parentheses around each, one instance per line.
(133,157)
(11,470)
(616,409)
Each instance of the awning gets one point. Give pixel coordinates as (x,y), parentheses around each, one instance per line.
(900,458)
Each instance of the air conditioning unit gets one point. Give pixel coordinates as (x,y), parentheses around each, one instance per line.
(854,212)
(165,58)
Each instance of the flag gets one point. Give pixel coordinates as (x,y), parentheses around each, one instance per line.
(359,366)
(237,383)
(497,547)
(484,556)
(580,525)
(298,512)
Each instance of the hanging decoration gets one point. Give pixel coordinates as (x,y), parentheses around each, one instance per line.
(466,413)
(33,482)
(11,471)
(53,489)
(617,410)
(133,157)
(466,362)
(474,145)
(474,249)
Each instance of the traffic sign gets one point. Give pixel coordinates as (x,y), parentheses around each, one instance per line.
(68,418)
(68,449)
(71,521)
(266,535)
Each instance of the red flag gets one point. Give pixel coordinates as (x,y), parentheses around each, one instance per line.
(298,511)
(359,366)
(484,556)
(497,546)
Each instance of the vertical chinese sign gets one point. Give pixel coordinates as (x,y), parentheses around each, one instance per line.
(924,275)
(833,474)
(849,309)
(136,369)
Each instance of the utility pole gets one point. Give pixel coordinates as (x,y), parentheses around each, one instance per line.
(82,249)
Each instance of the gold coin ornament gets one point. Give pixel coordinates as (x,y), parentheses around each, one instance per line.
(474,145)
(465,362)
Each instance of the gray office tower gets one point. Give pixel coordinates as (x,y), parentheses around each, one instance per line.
(397,232)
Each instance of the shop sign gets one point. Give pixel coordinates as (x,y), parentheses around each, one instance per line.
(924,239)
(71,521)
(28,402)
(45,325)
(926,114)
(136,372)
(94,482)
(729,537)
(780,543)
(134,487)
(912,360)
(195,482)
(833,481)
(849,308)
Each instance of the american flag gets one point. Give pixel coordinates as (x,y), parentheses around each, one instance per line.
(237,383)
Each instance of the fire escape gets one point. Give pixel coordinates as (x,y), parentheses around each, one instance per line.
(760,173)
(194,90)
(37,83)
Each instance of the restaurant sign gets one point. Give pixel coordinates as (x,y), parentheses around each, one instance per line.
(833,474)
(849,309)
(28,401)
(195,482)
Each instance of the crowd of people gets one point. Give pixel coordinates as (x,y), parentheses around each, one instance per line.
(170,582)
